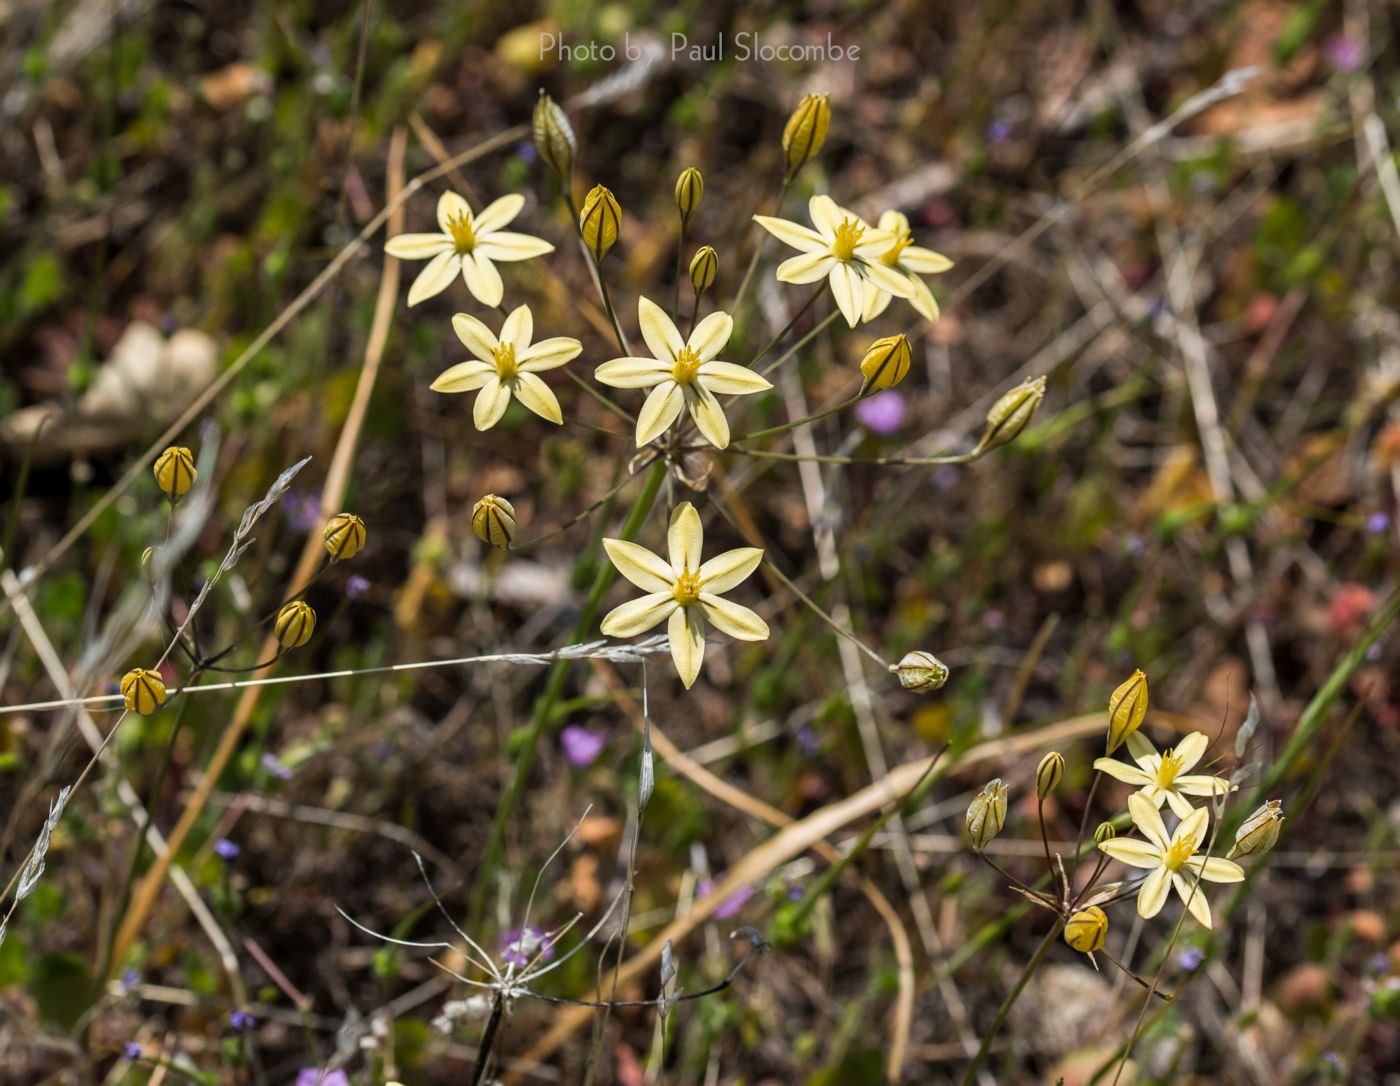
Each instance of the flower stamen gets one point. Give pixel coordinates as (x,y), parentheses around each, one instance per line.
(1178,853)
(687,589)
(1171,767)
(504,358)
(686,367)
(463,236)
(890,257)
(848,236)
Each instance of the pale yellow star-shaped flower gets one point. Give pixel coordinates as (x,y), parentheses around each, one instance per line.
(682,373)
(684,592)
(506,366)
(844,250)
(468,245)
(1171,860)
(1160,777)
(911,261)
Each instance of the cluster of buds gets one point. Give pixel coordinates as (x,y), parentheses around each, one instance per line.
(886,362)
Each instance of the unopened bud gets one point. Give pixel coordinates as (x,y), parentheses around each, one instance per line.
(1259,831)
(344,536)
(143,691)
(493,521)
(174,472)
(1086,929)
(921,672)
(703,266)
(805,132)
(599,221)
(1106,832)
(295,624)
(986,814)
(1012,413)
(886,362)
(1126,710)
(690,186)
(1048,773)
(554,137)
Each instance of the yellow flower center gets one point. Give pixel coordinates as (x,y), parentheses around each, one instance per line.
(848,236)
(1178,853)
(463,236)
(890,257)
(687,589)
(504,357)
(1168,770)
(686,367)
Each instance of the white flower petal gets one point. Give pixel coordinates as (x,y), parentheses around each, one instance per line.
(1193,827)
(1148,821)
(826,215)
(924,261)
(646,570)
(1203,786)
(518,330)
(498,213)
(1194,898)
(806,268)
(662,337)
(536,395)
(491,404)
(1153,894)
(685,536)
(887,279)
(789,233)
(1133,853)
(847,289)
(482,279)
(727,379)
(549,354)
(639,615)
(417,246)
(708,415)
(734,619)
(633,372)
(1214,869)
(732,568)
(687,633)
(876,302)
(1180,805)
(508,247)
(922,299)
(710,335)
(893,222)
(1122,771)
(475,337)
(464,377)
(450,206)
(661,408)
(434,278)
(1143,752)
(1191,749)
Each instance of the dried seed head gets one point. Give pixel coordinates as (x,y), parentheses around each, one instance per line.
(703,266)
(174,472)
(1126,710)
(886,363)
(554,137)
(1105,832)
(986,814)
(295,624)
(1012,413)
(493,521)
(599,221)
(805,132)
(344,536)
(1086,929)
(922,672)
(1048,773)
(143,691)
(690,186)
(1259,831)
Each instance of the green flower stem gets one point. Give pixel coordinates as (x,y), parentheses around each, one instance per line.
(811,301)
(882,461)
(554,687)
(815,417)
(1004,1013)
(599,281)
(680,268)
(758,249)
(821,327)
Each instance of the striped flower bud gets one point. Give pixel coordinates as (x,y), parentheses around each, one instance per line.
(1106,832)
(143,691)
(1012,413)
(1048,773)
(344,536)
(886,363)
(805,132)
(1258,832)
(1086,929)
(599,221)
(921,672)
(703,266)
(493,521)
(1126,710)
(690,186)
(554,137)
(174,472)
(986,814)
(295,624)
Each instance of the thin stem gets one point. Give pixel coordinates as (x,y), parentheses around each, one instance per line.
(802,312)
(602,398)
(598,280)
(1045,842)
(821,325)
(694,312)
(1004,1013)
(1084,818)
(680,258)
(815,417)
(488,1040)
(758,249)
(885,461)
(587,512)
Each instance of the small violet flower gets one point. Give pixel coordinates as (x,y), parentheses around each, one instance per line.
(882,413)
(241,1021)
(581,746)
(521,947)
(226,849)
(317,1076)
(276,766)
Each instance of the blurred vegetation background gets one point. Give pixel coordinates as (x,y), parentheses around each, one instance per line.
(1209,493)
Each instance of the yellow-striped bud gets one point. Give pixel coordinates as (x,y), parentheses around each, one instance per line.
(1127,709)
(921,672)
(599,221)
(1048,773)
(986,814)
(295,624)
(143,691)
(174,472)
(703,266)
(886,363)
(493,521)
(1012,413)
(1106,832)
(805,132)
(1085,930)
(554,137)
(1259,831)
(344,536)
(690,186)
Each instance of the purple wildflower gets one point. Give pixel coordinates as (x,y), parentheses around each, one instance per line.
(356,586)
(1190,959)
(318,1076)
(131,1051)
(226,849)
(519,948)
(999,131)
(275,766)
(1345,54)
(302,510)
(730,906)
(882,413)
(581,746)
(1378,523)
(130,979)
(241,1022)
(526,150)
